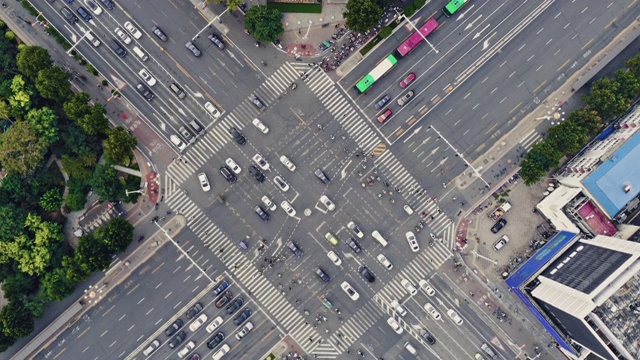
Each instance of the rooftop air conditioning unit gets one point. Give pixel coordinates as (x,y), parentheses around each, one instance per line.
(627,188)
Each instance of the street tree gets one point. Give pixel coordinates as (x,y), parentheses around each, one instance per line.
(567,137)
(5,110)
(105,183)
(587,119)
(362,15)
(263,23)
(91,255)
(605,98)
(546,154)
(77,106)
(117,235)
(119,145)
(21,150)
(634,65)
(95,121)
(20,98)
(53,83)
(629,83)
(531,171)
(32,59)
(45,123)
(78,167)
(16,285)
(55,285)
(51,200)
(12,222)
(16,319)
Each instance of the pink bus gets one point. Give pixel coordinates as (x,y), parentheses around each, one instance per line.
(416,39)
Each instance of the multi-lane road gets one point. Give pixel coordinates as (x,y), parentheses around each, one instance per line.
(495,62)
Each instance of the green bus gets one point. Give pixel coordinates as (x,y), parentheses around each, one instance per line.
(453,6)
(379,71)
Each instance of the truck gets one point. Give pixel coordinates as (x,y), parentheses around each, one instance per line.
(500,211)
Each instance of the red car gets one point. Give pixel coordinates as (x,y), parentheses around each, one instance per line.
(406,81)
(384,116)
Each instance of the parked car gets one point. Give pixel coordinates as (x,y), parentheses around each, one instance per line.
(244,315)
(220,288)
(216,340)
(174,327)
(322,275)
(286,162)
(499,225)
(195,310)
(177,339)
(197,323)
(334,258)
(354,245)
(224,299)
(288,208)
(356,230)
(215,323)
(294,248)
(234,306)
(244,331)
(324,199)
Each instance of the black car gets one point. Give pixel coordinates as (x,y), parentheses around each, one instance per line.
(195,310)
(244,315)
(257,102)
(263,215)
(215,341)
(231,178)
(428,337)
(177,325)
(224,299)
(218,290)
(295,249)
(108,3)
(366,273)
(144,91)
(498,226)
(177,340)
(68,14)
(237,136)
(322,176)
(256,173)
(235,305)
(354,245)
(323,275)
(157,32)
(117,48)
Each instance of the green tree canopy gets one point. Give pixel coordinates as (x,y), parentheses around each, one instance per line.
(105,183)
(92,254)
(21,150)
(362,15)
(567,137)
(51,200)
(587,119)
(16,320)
(53,83)
(13,219)
(94,122)
(80,167)
(20,99)
(117,235)
(634,65)
(32,59)
(119,145)
(629,83)
(56,286)
(605,98)
(45,123)
(231,4)
(77,106)
(264,24)
(531,171)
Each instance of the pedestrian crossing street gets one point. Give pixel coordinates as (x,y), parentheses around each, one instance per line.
(218,135)
(254,283)
(430,258)
(395,173)
(336,103)
(530,139)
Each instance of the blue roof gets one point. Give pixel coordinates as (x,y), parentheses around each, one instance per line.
(607,182)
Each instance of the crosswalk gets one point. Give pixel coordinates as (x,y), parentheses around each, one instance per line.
(289,320)
(530,139)
(430,259)
(395,173)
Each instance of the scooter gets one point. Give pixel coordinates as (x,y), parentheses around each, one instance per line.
(294,86)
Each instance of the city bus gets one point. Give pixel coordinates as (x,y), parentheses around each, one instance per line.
(416,38)
(379,71)
(453,6)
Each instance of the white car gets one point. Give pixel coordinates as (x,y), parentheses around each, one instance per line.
(394,325)
(91,4)
(175,140)
(327,202)
(262,163)
(187,349)
(288,208)
(150,80)
(455,317)
(425,286)
(413,242)
(399,309)
(122,36)
(233,166)
(286,162)
(334,258)
(353,294)
(214,324)
(432,311)
(212,109)
(356,230)
(245,330)
(204,182)
(260,125)
(385,262)
(197,323)
(268,203)
(409,287)
(132,30)
(281,184)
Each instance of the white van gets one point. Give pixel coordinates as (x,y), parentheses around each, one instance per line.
(140,54)
(152,347)
(410,348)
(501,242)
(221,353)
(92,39)
(376,235)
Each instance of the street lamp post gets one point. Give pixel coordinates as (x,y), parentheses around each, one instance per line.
(209,24)
(141,191)
(38,21)
(461,156)
(308,28)
(418,30)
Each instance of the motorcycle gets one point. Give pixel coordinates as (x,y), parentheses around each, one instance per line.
(294,86)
